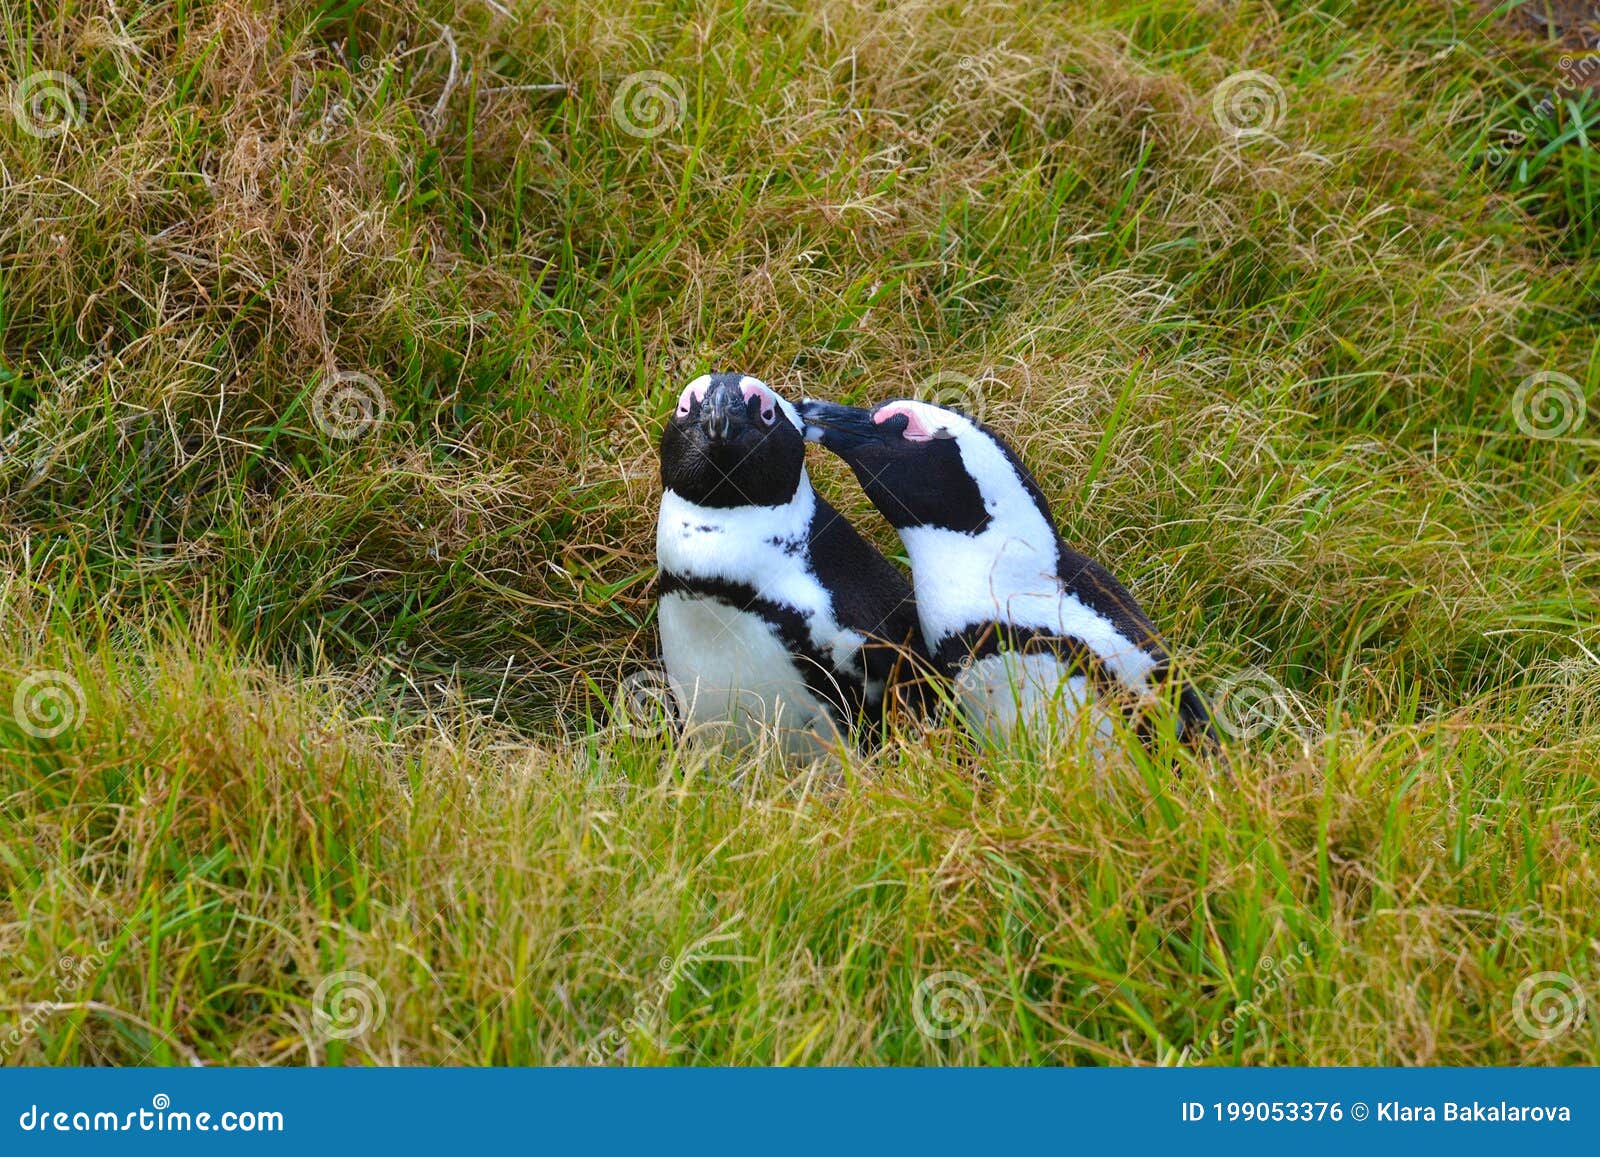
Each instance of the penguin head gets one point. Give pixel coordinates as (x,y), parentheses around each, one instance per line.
(923,465)
(732,441)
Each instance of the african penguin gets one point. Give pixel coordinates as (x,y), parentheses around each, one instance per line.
(774,612)
(1021,621)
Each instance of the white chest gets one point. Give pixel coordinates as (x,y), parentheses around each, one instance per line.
(730,669)
(735,680)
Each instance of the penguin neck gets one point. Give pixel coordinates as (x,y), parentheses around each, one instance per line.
(1007,572)
(733,542)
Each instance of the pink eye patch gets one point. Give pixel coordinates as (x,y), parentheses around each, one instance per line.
(917,428)
(769,405)
(692,393)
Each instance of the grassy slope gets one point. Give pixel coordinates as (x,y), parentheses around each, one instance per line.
(343,698)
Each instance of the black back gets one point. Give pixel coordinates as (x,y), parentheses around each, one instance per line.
(1099,590)
(872,596)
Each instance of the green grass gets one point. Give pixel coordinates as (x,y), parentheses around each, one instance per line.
(351,705)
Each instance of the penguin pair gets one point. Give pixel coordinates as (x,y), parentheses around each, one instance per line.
(776,615)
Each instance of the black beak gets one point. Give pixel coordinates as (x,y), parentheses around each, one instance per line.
(722,412)
(842,429)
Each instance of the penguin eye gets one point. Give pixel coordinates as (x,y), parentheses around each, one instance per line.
(768,414)
(943,433)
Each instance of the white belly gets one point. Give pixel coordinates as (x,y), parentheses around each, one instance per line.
(735,681)
(1002,692)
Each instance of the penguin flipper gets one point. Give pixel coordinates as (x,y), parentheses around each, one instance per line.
(1199,725)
